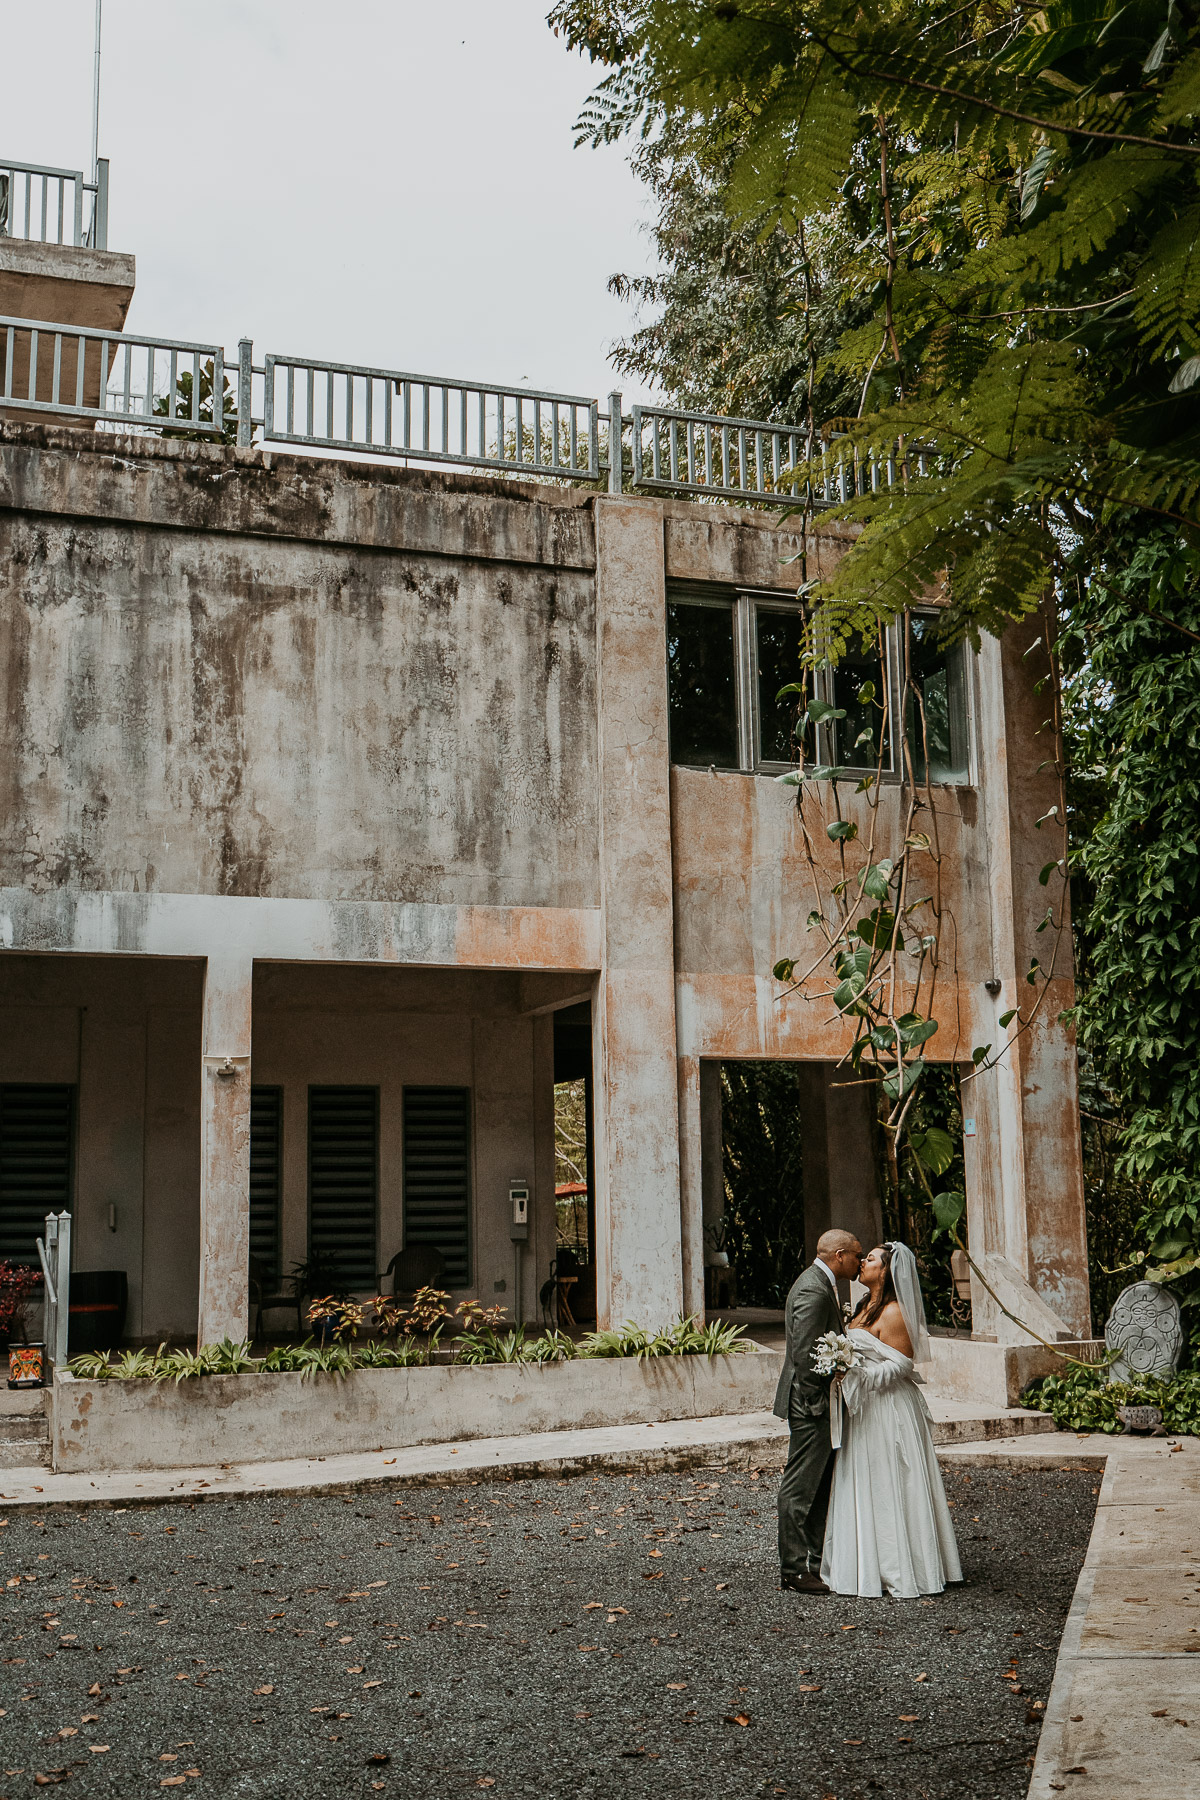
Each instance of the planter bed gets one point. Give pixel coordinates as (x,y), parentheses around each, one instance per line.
(143,1424)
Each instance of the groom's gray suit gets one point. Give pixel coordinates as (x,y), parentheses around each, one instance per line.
(802,1398)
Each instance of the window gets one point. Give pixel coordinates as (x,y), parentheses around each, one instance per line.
(938,677)
(437,1187)
(730,654)
(35,1163)
(702,683)
(343,1181)
(266,1117)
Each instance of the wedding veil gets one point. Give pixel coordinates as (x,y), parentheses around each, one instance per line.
(907,1283)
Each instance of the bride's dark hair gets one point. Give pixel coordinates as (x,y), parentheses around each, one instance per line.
(867,1315)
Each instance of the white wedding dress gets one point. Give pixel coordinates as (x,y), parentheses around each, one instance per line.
(888,1527)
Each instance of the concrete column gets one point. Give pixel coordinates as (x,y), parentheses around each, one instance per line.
(838,1127)
(639,1270)
(1025,1206)
(225,1148)
(691,1181)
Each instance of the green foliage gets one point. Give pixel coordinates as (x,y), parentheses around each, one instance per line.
(1019,186)
(1133,712)
(227,433)
(1083,1399)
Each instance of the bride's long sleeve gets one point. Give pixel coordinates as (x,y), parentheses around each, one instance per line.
(874,1377)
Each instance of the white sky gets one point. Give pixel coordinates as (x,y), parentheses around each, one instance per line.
(379,181)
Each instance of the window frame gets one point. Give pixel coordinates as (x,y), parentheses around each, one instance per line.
(746,604)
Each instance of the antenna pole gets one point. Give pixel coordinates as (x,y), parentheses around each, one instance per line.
(96,100)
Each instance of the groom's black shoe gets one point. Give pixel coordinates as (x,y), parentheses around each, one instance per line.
(803,1584)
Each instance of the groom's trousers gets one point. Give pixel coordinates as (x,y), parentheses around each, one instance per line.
(804,1495)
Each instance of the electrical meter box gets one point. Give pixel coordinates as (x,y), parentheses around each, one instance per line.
(518,1197)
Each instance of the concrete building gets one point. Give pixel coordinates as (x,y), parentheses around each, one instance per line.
(342,804)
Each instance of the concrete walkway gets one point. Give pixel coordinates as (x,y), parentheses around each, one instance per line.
(752,1440)
(1123,1717)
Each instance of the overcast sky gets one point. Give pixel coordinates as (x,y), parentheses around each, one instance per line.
(382,181)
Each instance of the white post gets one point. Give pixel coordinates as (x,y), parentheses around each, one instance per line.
(96,102)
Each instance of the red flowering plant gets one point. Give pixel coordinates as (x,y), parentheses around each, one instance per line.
(17,1282)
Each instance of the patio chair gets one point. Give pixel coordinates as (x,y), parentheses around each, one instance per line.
(420,1265)
(266,1295)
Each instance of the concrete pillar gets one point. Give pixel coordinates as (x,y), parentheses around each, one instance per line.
(225,1148)
(1025,1205)
(838,1127)
(691,1181)
(639,1269)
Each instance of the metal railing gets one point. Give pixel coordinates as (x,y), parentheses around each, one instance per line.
(54,1254)
(387,412)
(110,376)
(120,380)
(707,456)
(47,205)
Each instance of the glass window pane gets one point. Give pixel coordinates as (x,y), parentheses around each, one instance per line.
(857,736)
(702,685)
(780,641)
(938,676)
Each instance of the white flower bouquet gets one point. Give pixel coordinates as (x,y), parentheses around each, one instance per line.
(833,1354)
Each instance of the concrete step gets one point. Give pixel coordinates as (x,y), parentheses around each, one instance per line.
(1008,1424)
(24,1453)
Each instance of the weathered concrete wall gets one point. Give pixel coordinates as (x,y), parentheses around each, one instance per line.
(261,1418)
(212,692)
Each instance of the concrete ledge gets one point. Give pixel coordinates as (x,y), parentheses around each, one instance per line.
(996,1375)
(223,1419)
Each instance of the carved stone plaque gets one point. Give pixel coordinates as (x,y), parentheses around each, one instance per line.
(1145,1332)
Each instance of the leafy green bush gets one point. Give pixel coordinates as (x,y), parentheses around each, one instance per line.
(1084,1400)
(482,1344)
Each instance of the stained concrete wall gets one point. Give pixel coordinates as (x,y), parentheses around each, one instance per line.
(268,708)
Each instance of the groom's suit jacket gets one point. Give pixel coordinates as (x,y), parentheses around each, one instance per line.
(812,1310)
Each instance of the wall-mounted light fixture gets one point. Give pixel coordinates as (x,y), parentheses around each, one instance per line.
(993,985)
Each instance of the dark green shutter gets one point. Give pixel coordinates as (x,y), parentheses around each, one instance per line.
(343,1180)
(35,1164)
(266,1161)
(437,1187)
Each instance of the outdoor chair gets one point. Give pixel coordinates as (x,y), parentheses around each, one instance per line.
(421,1265)
(266,1295)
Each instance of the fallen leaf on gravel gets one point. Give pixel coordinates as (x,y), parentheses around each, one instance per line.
(649,1553)
(381,1756)
(1153,1715)
(88,1718)
(354,1668)
(855,1741)
(593,1606)
(370,1684)
(810,1687)
(168,1756)
(69,1731)
(652,1575)
(98,1749)
(51,1777)
(677,1686)
(909,1718)
(737,1718)
(191,1771)
(95,1688)
(1079,1769)
(640,1751)
(921,1677)
(172,1781)
(486,1781)
(265,1690)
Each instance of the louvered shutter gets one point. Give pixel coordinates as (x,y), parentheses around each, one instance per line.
(35,1163)
(437,1188)
(343,1180)
(266,1116)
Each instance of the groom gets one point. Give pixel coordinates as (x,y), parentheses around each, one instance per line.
(802,1398)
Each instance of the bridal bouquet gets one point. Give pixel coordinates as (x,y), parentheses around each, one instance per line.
(833,1354)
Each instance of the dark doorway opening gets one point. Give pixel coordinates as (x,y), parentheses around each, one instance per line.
(572,1279)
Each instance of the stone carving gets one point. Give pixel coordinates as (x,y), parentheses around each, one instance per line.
(1144,1333)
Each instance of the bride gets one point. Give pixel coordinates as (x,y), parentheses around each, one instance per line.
(889,1527)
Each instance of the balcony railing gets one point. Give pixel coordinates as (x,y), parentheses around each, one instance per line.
(120,380)
(49,205)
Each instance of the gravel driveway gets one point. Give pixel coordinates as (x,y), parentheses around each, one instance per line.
(587,1639)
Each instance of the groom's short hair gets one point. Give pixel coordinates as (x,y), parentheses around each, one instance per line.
(831,1242)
